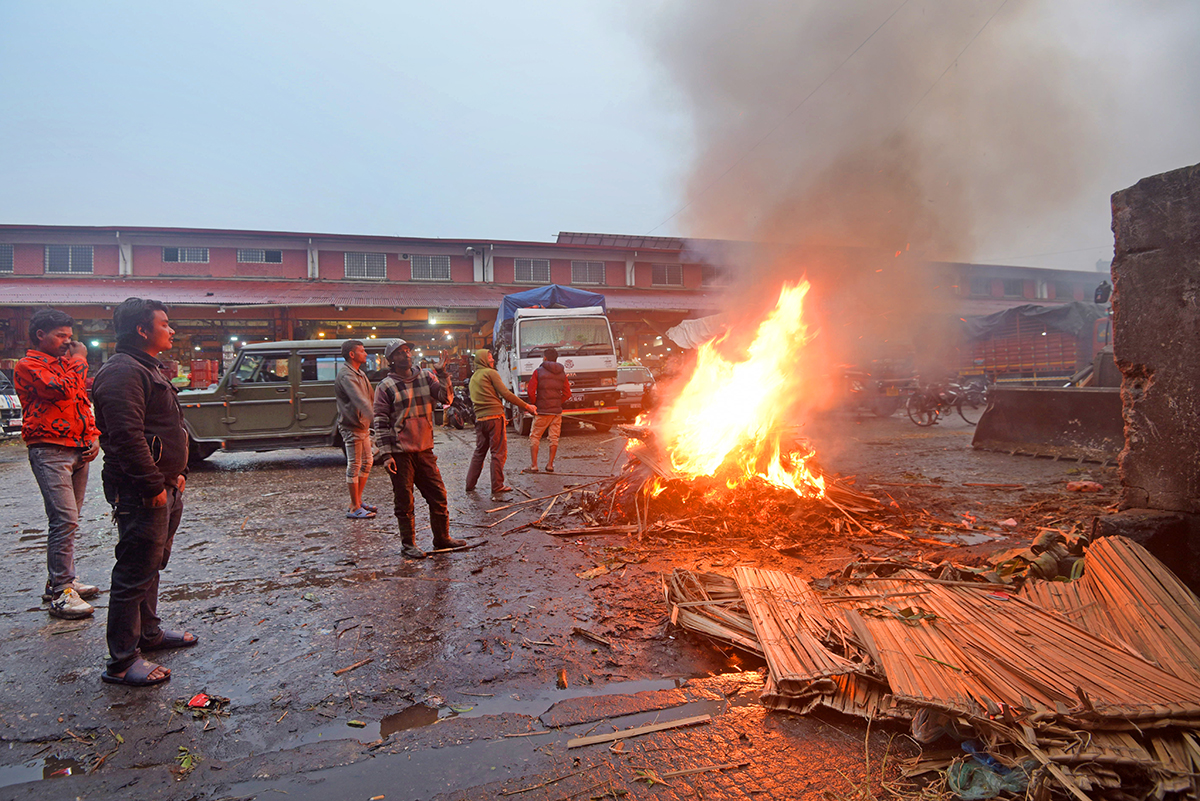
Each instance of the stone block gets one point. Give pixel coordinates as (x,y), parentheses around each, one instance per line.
(1172,537)
(1156,333)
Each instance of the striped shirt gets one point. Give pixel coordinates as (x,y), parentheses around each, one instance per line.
(404,411)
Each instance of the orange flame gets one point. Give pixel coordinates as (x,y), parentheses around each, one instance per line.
(730,416)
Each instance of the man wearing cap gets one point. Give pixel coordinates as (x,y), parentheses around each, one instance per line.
(488,394)
(404,444)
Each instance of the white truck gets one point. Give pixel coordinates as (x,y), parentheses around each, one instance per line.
(584,341)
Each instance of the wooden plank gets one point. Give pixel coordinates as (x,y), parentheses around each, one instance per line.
(637,731)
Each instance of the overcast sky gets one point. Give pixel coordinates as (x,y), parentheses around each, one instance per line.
(516,120)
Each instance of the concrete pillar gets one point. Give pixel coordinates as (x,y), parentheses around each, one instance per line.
(314,265)
(1156,336)
(477,264)
(629,273)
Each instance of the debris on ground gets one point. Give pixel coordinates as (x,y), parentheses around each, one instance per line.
(1089,687)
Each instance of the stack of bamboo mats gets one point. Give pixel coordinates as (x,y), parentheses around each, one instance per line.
(1097,681)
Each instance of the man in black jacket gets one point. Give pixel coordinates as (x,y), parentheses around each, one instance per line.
(145,460)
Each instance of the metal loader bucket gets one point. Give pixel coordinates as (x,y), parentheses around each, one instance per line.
(1082,423)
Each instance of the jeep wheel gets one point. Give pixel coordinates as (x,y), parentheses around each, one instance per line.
(199,451)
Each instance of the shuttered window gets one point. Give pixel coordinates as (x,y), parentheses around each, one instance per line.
(6,258)
(587,272)
(531,271)
(430,268)
(366,265)
(667,275)
(68,258)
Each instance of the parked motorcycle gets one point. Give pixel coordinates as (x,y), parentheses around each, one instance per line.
(461,412)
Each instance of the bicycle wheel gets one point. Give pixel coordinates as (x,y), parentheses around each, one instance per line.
(920,410)
(971,406)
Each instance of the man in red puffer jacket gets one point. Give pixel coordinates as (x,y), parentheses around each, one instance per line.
(61,435)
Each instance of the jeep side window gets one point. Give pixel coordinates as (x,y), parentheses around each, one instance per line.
(262,367)
(315,367)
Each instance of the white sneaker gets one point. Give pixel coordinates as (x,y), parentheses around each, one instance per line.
(85,590)
(69,606)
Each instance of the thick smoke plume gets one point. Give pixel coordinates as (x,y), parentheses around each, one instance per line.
(861,141)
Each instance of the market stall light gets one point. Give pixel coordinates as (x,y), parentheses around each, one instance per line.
(197,347)
(233,338)
(372,328)
(95,343)
(320,334)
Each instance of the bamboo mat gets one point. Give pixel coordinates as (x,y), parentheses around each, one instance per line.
(790,621)
(983,654)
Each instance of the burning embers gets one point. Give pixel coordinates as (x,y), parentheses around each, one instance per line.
(728,421)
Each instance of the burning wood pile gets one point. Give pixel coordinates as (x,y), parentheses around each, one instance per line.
(1088,687)
(723,448)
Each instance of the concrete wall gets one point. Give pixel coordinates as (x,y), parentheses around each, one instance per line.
(1156,331)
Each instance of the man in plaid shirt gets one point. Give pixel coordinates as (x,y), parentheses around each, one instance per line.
(404,444)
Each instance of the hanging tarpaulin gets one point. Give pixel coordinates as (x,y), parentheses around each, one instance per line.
(1073,318)
(690,334)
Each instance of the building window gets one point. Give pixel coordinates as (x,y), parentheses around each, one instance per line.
(430,268)
(185,255)
(1063,291)
(6,258)
(531,271)
(587,272)
(981,286)
(366,265)
(713,275)
(667,275)
(1014,288)
(68,258)
(257,256)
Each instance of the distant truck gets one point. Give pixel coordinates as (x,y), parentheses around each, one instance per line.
(1034,345)
(573,322)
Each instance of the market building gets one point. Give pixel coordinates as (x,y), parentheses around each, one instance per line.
(229,286)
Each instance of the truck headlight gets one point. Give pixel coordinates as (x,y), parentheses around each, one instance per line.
(608,382)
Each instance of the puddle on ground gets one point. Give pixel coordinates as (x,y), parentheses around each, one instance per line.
(414,717)
(49,768)
(533,704)
(466,764)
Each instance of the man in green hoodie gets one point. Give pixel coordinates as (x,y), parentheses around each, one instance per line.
(488,393)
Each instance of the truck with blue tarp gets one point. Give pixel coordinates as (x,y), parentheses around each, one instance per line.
(575,323)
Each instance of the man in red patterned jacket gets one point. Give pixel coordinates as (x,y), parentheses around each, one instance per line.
(61,435)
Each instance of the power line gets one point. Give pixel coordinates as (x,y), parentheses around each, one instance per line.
(788,116)
(950,65)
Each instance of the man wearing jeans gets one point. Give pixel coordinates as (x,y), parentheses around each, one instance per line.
(61,435)
(145,460)
(352,390)
(488,394)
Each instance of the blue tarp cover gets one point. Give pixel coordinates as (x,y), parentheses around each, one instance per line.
(551,296)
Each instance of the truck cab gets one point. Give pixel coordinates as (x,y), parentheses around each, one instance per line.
(274,395)
(584,341)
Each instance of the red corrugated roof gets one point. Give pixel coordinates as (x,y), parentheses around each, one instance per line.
(39,290)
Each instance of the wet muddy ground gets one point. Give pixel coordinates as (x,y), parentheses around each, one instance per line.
(459,661)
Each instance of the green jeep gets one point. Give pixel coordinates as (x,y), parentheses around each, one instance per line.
(275,395)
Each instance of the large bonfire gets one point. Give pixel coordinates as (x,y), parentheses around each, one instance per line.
(728,422)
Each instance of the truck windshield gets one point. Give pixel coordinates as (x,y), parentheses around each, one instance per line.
(570,336)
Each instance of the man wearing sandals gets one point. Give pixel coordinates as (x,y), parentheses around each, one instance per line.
(549,388)
(145,460)
(352,390)
(404,444)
